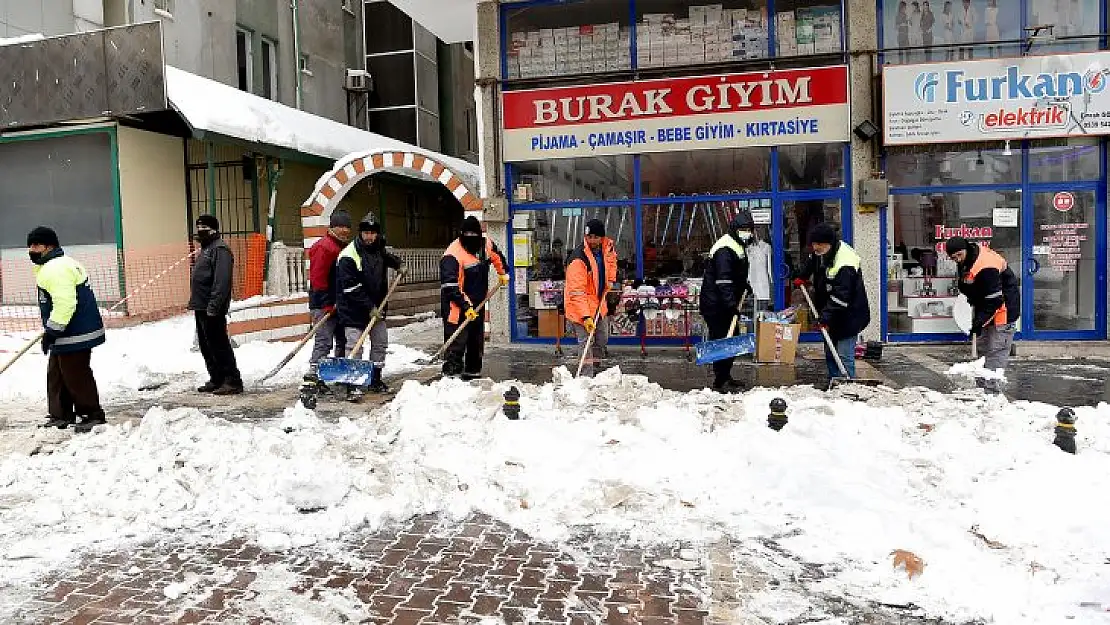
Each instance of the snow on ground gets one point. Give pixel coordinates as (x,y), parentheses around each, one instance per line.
(158,355)
(976,369)
(1011,529)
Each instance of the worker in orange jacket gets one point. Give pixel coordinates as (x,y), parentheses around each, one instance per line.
(993,291)
(464,283)
(591,275)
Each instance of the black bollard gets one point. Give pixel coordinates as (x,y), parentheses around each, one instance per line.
(1065,430)
(777,419)
(512,404)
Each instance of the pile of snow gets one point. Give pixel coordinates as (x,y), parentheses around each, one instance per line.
(1009,527)
(159,356)
(976,369)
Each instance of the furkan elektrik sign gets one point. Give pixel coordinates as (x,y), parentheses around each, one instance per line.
(1021,98)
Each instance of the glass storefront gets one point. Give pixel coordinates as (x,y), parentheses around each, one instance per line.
(1041,206)
(551,39)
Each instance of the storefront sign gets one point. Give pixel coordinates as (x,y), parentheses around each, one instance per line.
(975,234)
(708,112)
(1019,98)
(1064,242)
(1063,201)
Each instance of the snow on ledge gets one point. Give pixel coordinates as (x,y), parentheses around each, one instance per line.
(212,106)
(13,41)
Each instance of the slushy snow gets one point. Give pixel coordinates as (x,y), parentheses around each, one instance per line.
(1011,530)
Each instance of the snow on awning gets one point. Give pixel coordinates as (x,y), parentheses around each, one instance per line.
(453,21)
(213,107)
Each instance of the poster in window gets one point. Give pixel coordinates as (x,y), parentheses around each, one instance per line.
(909,23)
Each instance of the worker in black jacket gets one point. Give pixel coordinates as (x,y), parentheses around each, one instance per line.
(838,294)
(210,299)
(362,281)
(724,282)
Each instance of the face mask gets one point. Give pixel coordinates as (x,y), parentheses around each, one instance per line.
(471,243)
(204,236)
(36,257)
(745,236)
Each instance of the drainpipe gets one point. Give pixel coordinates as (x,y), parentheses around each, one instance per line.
(273,176)
(297,53)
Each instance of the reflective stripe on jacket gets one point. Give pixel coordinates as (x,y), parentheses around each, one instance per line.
(464,277)
(67,304)
(840,295)
(725,278)
(581,289)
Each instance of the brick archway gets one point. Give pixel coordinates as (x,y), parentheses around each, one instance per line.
(317,209)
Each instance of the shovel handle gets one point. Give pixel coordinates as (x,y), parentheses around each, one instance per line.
(462,326)
(311,333)
(825,334)
(357,349)
(974,347)
(26,348)
(590,338)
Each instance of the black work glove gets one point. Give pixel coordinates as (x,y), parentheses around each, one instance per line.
(976,328)
(48,342)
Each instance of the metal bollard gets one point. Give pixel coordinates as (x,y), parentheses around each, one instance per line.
(777,419)
(512,404)
(1065,430)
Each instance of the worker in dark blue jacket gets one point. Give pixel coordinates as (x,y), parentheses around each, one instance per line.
(723,284)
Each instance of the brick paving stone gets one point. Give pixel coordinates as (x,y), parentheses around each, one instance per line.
(406,616)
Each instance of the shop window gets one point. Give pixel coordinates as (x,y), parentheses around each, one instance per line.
(799,218)
(542,241)
(814,166)
(672,33)
(931,169)
(1068,18)
(960,29)
(1069,161)
(568,38)
(1065,262)
(921,281)
(573,180)
(706,172)
(678,235)
(804,27)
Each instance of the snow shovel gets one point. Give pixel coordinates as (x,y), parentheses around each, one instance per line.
(729,347)
(590,338)
(303,341)
(436,356)
(844,379)
(352,369)
(26,348)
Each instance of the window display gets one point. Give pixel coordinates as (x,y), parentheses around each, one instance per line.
(1069,18)
(814,166)
(805,27)
(573,180)
(712,172)
(961,29)
(672,33)
(922,282)
(568,38)
(932,169)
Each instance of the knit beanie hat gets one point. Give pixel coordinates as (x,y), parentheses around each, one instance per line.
(43,236)
(822,233)
(209,221)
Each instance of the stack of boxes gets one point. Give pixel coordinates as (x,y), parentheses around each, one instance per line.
(709,34)
(586,49)
(813,30)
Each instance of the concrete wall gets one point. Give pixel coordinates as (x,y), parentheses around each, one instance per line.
(862,21)
(324,25)
(24,17)
(456,95)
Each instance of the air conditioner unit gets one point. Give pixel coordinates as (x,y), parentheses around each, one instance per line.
(359,80)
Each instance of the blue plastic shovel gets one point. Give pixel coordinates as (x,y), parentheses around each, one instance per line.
(353,370)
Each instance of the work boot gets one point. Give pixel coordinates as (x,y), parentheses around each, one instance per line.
(228,388)
(208,387)
(466,377)
(87,422)
(728,386)
(376,384)
(354,394)
(313,378)
(58,422)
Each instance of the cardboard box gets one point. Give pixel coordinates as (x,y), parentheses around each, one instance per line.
(549,324)
(777,343)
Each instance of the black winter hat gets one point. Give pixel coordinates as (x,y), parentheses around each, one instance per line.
(955,244)
(823,233)
(369,224)
(595,227)
(43,236)
(471,225)
(209,221)
(742,221)
(340,219)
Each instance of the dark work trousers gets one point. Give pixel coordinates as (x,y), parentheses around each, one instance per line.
(215,346)
(71,387)
(718,329)
(465,354)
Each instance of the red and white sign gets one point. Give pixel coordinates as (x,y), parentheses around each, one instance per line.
(1063,201)
(702,113)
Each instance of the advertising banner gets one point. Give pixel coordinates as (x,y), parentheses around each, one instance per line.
(1020,98)
(707,112)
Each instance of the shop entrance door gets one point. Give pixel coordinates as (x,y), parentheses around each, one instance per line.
(794,218)
(1064,286)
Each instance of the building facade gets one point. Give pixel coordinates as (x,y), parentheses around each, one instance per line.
(663,118)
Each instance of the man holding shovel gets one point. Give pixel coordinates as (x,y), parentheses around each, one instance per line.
(993,291)
(723,285)
(591,274)
(322,259)
(72,328)
(361,277)
(839,296)
(464,285)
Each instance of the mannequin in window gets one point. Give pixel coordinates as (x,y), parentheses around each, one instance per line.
(760,261)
